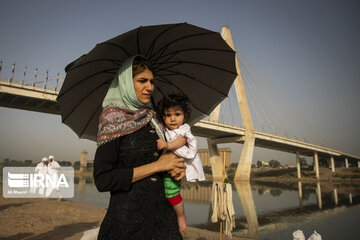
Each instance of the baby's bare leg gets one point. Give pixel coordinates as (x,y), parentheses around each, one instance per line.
(179,209)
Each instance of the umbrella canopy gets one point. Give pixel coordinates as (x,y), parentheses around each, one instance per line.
(187,59)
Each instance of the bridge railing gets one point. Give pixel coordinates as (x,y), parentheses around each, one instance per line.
(52,84)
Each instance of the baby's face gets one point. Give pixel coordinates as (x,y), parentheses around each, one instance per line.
(173,118)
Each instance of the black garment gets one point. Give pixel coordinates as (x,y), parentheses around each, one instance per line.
(136,210)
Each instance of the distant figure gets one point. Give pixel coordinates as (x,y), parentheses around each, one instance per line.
(41,168)
(52,169)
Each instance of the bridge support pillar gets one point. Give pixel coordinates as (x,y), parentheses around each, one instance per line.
(346,163)
(318,194)
(316,164)
(217,165)
(298,166)
(358,164)
(332,163)
(244,167)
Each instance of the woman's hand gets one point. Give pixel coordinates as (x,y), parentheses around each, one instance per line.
(178,173)
(168,161)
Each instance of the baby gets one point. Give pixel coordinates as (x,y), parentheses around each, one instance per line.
(174,112)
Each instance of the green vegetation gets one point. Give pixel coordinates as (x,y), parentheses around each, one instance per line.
(274,164)
(77,165)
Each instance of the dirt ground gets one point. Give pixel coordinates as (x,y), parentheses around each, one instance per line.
(30,219)
(35,219)
(49,219)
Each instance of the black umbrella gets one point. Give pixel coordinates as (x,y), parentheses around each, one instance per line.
(187,59)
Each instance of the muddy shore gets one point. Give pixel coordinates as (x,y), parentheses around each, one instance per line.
(50,219)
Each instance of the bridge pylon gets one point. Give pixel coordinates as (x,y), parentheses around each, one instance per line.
(244,166)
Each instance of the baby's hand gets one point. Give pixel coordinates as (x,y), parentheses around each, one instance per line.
(162,144)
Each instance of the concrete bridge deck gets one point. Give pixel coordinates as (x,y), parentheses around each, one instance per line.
(224,133)
(28,97)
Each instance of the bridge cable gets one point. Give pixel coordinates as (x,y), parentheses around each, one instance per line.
(263,105)
(253,107)
(272,107)
(269,105)
(295,114)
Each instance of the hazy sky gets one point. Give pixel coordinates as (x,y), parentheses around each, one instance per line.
(308,50)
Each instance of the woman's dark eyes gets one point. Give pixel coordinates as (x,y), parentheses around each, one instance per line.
(144,80)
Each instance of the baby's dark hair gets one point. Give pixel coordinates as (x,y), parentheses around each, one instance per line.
(175,101)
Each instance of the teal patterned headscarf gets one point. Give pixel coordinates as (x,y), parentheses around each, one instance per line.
(122,112)
(121,92)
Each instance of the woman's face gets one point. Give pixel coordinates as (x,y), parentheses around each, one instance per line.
(144,86)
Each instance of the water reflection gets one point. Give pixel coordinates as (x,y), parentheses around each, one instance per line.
(260,207)
(243,189)
(300,195)
(318,194)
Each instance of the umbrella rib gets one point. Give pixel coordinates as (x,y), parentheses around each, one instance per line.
(88,122)
(83,99)
(172,54)
(197,108)
(92,75)
(117,45)
(197,63)
(163,49)
(137,39)
(114,61)
(174,73)
(151,48)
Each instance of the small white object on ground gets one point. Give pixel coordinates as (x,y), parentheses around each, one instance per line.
(91,234)
(298,235)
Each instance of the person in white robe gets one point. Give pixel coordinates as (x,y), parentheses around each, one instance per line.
(41,168)
(53,169)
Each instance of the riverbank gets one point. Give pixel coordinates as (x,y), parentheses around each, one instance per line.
(290,174)
(50,219)
(34,218)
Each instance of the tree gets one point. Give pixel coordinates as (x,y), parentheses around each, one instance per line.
(323,161)
(28,162)
(233,165)
(6,162)
(258,164)
(207,169)
(274,163)
(77,165)
(303,162)
(65,163)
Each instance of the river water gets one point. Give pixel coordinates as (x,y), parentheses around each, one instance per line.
(265,210)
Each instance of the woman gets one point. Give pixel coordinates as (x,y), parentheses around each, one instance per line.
(127,161)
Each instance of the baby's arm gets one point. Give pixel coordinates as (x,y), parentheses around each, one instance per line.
(171,146)
(189,150)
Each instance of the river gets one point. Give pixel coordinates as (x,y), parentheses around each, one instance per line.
(265,210)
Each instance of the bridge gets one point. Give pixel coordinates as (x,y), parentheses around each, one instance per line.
(17,95)
(26,96)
